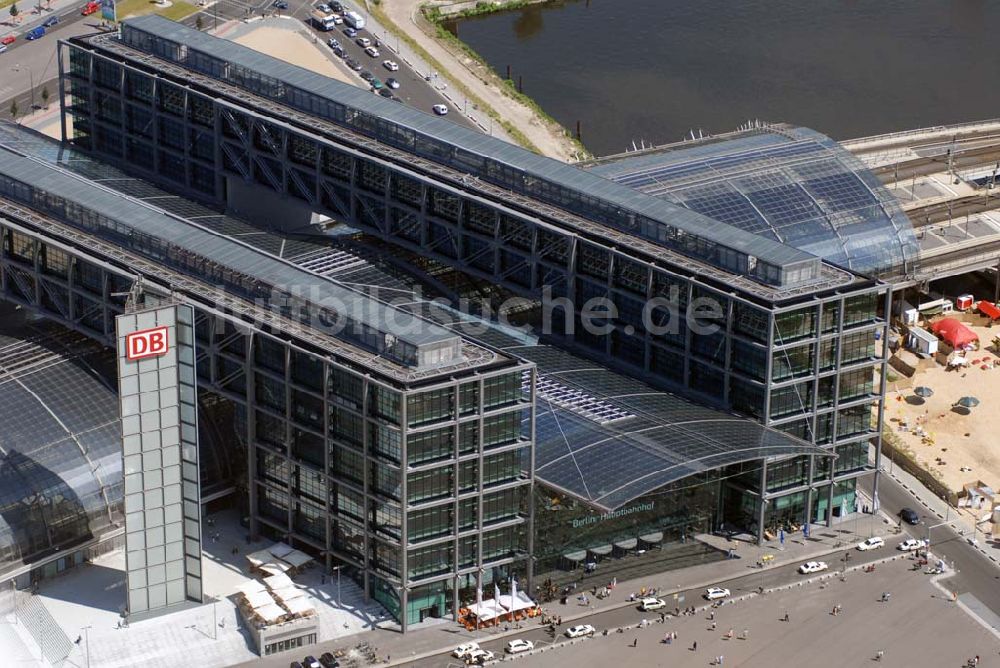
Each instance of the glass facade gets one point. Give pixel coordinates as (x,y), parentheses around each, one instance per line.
(650,534)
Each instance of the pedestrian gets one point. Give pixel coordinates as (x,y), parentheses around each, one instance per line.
(786,617)
(663,617)
(975,661)
(694,646)
(722,658)
(670,638)
(635,642)
(729,635)
(746,634)
(879,654)
(711,615)
(675,635)
(78,639)
(712,627)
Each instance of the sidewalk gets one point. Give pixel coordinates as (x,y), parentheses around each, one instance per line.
(422,641)
(29,16)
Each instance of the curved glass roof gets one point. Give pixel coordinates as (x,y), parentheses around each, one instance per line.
(789,184)
(608,438)
(60,456)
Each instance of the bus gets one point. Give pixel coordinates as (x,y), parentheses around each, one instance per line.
(354,20)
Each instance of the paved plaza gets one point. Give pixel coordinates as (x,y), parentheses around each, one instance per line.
(86,604)
(920,626)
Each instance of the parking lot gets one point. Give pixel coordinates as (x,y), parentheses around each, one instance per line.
(420,90)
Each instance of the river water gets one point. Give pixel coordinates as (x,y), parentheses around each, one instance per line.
(655,69)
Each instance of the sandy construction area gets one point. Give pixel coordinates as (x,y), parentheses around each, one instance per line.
(963,446)
(275,38)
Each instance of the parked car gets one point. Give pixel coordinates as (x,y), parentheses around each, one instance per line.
(372,51)
(329,660)
(440,109)
(480,656)
(323,7)
(376,83)
(336,6)
(339,51)
(872,543)
(813,567)
(353,64)
(350,32)
(464,649)
(363,42)
(580,631)
(909,515)
(51,21)
(3,47)
(713,593)
(35,33)
(386,93)
(332,43)
(311,662)
(392,83)
(9,39)
(517,646)
(367,76)
(295,664)
(280,4)
(648,604)
(390,65)
(90,8)
(911,544)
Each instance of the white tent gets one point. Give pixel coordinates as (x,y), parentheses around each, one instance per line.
(280,550)
(270,613)
(259,599)
(251,586)
(515,603)
(279,581)
(259,558)
(487,610)
(297,558)
(300,606)
(274,568)
(286,594)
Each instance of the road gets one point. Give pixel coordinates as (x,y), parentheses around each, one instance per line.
(975,573)
(28,67)
(414,89)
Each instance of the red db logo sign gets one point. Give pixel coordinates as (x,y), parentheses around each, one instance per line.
(147,343)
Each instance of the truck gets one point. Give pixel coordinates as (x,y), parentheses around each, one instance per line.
(35,33)
(322,20)
(354,20)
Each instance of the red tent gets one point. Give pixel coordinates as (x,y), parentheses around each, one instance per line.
(954,333)
(989,309)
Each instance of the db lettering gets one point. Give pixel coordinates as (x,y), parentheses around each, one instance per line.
(147,343)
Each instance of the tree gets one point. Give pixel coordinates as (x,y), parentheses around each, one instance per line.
(14,12)
(198,23)
(13,109)
(45,96)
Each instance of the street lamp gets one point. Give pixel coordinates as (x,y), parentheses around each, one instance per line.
(86,635)
(339,600)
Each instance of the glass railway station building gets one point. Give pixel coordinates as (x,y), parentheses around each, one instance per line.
(449,453)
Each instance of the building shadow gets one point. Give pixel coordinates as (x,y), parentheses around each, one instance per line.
(92,586)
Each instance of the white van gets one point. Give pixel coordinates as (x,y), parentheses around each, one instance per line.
(354,20)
